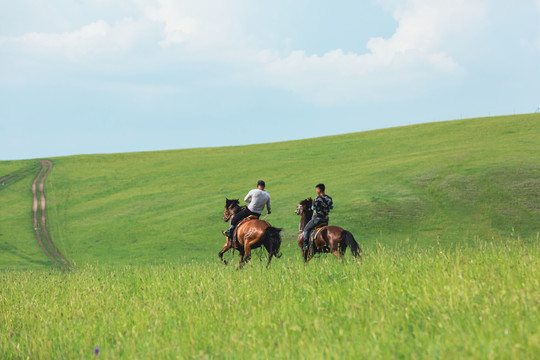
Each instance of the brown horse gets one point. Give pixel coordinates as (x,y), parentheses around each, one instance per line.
(332,239)
(251,234)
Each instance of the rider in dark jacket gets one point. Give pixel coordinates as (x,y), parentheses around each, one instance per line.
(322,206)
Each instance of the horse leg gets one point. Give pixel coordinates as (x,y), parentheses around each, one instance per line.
(247,251)
(241,261)
(269,260)
(337,254)
(310,252)
(334,249)
(226,248)
(332,243)
(300,241)
(240,255)
(270,254)
(342,249)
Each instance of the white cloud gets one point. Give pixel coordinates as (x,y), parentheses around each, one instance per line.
(94,38)
(76,40)
(415,55)
(422,50)
(178,25)
(430,26)
(213,28)
(337,77)
(206,29)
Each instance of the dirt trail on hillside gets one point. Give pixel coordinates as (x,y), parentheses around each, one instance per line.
(51,252)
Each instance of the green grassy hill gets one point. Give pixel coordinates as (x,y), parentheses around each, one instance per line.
(443,182)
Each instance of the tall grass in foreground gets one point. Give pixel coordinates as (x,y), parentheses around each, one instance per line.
(476,301)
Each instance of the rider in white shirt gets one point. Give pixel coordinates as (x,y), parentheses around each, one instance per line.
(257,199)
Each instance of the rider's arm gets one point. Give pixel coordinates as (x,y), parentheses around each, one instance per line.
(248,197)
(314,206)
(268,206)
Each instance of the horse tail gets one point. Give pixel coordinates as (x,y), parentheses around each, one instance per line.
(349,240)
(273,239)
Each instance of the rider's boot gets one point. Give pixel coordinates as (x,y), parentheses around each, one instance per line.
(229,232)
(305,245)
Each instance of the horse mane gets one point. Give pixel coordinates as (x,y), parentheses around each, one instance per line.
(232,203)
(307,202)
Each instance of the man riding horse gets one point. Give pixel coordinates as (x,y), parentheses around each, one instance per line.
(322,206)
(333,239)
(257,199)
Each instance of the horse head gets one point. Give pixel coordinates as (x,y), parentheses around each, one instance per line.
(304,206)
(230,206)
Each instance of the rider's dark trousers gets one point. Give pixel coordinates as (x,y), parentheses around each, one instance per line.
(241,215)
(311,225)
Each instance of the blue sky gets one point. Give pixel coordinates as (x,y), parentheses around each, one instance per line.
(100,76)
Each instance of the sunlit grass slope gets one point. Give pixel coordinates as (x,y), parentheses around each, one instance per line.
(443,182)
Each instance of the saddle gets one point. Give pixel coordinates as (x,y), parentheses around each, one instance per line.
(316,232)
(249,218)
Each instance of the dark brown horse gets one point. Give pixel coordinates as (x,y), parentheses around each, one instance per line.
(332,239)
(251,234)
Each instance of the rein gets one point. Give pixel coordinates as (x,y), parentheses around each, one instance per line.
(230,213)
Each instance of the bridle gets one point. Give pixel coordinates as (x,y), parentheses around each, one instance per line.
(302,209)
(227,214)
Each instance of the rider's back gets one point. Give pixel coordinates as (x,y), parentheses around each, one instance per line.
(258,199)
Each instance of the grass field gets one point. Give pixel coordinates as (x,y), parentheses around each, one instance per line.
(476,301)
(447,215)
(443,182)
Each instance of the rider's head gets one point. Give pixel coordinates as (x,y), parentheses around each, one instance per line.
(320,189)
(261,185)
